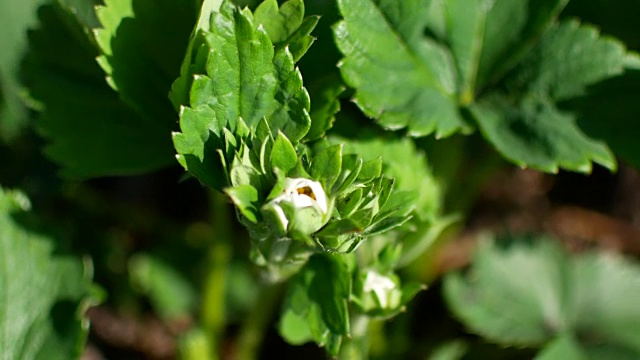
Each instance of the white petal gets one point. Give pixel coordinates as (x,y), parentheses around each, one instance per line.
(380,285)
(282,217)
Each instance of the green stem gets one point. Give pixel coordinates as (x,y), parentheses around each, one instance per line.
(357,346)
(257,322)
(219,256)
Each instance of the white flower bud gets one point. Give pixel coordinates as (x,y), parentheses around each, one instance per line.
(301,193)
(382,286)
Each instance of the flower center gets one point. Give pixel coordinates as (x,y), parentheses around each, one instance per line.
(306,190)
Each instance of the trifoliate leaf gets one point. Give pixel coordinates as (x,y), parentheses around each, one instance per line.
(532,294)
(517,295)
(91,132)
(540,136)
(568,58)
(43,291)
(141,54)
(511,29)
(486,41)
(532,131)
(383,38)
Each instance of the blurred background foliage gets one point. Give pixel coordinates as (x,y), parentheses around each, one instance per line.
(152,237)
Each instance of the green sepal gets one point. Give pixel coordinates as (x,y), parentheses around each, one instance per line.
(283,154)
(370,170)
(245,197)
(347,205)
(383,225)
(301,40)
(339,227)
(351,167)
(326,166)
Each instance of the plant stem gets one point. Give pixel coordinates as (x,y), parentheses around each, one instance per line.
(219,256)
(356,347)
(257,322)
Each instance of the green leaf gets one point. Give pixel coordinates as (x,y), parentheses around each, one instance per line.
(514,295)
(540,136)
(511,30)
(533,294)
(325,103)
(318,296)
(382,37)
(241,64)
(280,23)
(245,197)
(195,58)
(170,293)
(15,18)
(501,42)
(245,79)
(301,40)
(44,291)
(610,112)
(351,166)
(141,55)
(340,227)
(371,169)
(91,132)
(614,17)
(489,37)
(402,162)
(326,166)
(294,328)
(283,154)
(291,115)
(562,348)
(465,22)
(568,59)
(453,350)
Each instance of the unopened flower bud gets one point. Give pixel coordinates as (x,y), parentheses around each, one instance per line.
(302,205)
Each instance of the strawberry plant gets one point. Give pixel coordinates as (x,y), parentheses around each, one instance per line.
(239,169)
